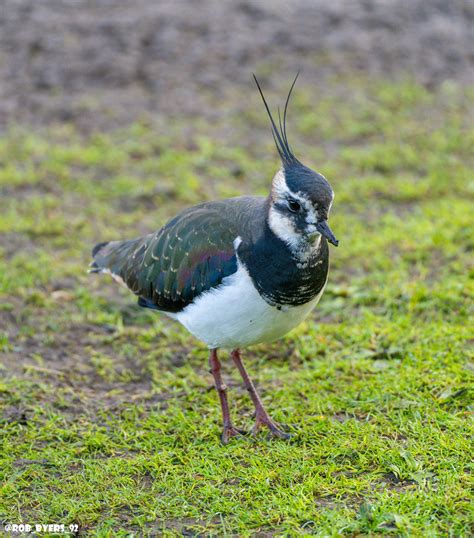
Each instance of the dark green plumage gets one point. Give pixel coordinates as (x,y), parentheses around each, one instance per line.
(192,253)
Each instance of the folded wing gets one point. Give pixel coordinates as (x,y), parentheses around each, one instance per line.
(191,254)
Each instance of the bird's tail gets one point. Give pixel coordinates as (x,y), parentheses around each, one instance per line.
(94,267)
(113,257)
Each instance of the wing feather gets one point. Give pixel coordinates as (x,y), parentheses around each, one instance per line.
(191,254)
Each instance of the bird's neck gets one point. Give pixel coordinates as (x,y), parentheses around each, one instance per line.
(281,274)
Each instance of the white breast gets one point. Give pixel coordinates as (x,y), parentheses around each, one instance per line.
(234,315)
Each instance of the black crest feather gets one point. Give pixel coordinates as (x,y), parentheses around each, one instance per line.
(279,134)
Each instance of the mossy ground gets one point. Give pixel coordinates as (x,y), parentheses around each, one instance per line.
(108,418)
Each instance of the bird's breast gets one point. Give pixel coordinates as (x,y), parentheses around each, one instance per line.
(236,315)
(280,277)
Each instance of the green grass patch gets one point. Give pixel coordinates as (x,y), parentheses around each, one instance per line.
(108,418)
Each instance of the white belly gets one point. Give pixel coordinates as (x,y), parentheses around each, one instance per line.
(234,315)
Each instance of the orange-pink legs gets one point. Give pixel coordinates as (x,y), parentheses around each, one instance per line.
(262,418)
(229,429)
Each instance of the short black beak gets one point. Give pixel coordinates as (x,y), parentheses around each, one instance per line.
(323,228)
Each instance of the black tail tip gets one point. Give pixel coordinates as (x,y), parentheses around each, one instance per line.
(94,268)
(96,249)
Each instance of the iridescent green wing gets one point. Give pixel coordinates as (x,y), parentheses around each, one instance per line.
(189,255)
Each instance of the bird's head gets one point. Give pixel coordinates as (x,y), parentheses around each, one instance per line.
(300,198)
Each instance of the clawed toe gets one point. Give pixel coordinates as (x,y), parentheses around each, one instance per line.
(273,427)
(229,432)
(277,432)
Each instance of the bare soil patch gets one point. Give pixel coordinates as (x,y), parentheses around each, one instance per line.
(101,64)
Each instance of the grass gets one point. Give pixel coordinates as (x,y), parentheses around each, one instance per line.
(108,419)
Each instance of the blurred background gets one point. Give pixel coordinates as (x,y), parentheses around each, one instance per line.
(114,116)
(107,62)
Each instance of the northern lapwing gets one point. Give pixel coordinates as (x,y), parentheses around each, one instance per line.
(239,271)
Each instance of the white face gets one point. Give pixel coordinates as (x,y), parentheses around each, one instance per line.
(293,216)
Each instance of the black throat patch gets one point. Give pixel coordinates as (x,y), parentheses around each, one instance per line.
(280,278)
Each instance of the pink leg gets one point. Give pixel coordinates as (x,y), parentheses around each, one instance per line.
(229,430)
(261,415)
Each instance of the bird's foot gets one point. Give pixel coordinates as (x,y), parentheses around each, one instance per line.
(263,419)
(229,432)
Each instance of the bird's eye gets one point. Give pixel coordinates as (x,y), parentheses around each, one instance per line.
(294,206)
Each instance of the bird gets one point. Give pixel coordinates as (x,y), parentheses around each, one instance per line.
(239,271)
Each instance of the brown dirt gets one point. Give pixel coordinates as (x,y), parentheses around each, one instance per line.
(101,63)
